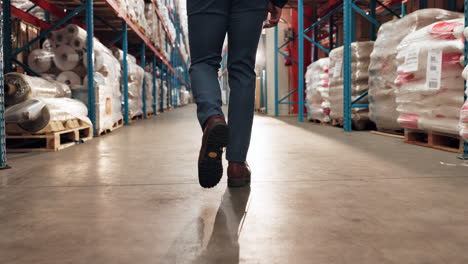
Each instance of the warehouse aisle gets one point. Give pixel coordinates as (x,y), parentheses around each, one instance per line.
(318,196)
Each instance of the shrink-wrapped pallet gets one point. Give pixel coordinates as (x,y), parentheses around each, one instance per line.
(464,110)
(360,59)
(430,86)
(35,114)
(149,92)
(20,87)
(69,48)
(317,82)
(383,63)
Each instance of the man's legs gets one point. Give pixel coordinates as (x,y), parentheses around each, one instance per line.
(207,29)
(245,26)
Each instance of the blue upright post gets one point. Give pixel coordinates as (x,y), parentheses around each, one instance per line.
(143,65)
(422,4)
(161,93)
(153,73)
(125,72)
(7,47)
(3,162)
(372,25)
(90,61)
(276,73)
(347,24)
(465,147)
(315,34)
(403,10)
(452,5)
(300,90)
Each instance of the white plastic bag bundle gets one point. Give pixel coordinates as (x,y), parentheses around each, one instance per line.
(463,125)
(429,83)
(149,92)
(317,83)
(360,59)
(383,64)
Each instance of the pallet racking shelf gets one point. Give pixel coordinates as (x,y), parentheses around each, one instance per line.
(102,18)
(326,13)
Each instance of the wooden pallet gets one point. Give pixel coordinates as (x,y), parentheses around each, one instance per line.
(136,118)
(50,141)
(115,126)
(148,115)
(390,133)
(318,122)
(451,143)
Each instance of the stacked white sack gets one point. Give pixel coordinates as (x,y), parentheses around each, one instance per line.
(360,59)
(317,82)
(430,86)
(149,92)
(383,64)
(185,96)
(464,110)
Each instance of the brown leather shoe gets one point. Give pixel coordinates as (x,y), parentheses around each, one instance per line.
(215,138)
(238,174)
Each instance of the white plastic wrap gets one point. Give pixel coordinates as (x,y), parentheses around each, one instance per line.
(35,114)
(360,57)
(383,64)
(317,83)
(463,125)
(40,60)
(430,86)
(149,92)
(20,87)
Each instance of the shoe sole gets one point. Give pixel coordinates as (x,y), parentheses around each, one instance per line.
(210,168)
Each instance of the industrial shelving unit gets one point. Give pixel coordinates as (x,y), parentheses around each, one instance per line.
(3,164)
(99,17)
(349,10)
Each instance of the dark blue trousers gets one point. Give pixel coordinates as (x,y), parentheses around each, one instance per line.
(209,21)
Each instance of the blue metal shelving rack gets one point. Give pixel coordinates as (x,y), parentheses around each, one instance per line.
(166,68)
(3,162)
(465,148)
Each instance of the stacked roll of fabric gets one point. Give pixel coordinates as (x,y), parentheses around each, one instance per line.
(33,102)
(135,76)
(383,64)
(360,57)
(430,86)
(317,82)
(63,57)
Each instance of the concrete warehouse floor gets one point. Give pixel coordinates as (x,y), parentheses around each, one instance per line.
(318,196)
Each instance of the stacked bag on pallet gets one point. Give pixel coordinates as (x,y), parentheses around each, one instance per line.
(152,31)
(430,86)
(317,82)
(149,93)
(63,58)
(383,64)
(33,103)
(135,75)
(360,57)
(464,109)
